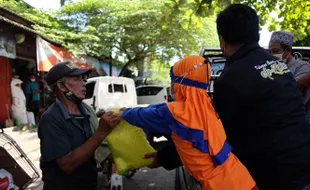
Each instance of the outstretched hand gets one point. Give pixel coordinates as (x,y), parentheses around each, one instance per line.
(153,155)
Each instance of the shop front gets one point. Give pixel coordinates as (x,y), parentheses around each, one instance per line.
(17,57)
(25,54)
(28,56)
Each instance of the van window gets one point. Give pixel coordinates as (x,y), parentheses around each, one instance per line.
(148,91)
(90,87)
(117,88)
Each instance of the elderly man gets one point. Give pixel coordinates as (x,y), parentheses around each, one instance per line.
(67,141)
(280,45)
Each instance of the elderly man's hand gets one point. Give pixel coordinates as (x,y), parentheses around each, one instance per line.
(119,115)
(100,113)
(107,123)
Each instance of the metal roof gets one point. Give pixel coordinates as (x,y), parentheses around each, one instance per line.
(27,27)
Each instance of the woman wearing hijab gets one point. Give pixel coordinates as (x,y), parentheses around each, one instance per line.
(195,129)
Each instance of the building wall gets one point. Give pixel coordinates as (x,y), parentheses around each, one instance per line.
(5,92)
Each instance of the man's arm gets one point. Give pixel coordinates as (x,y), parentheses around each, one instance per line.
(56,146)
(303,77)
(80,155)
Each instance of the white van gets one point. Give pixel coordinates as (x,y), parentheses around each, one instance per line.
(110,92)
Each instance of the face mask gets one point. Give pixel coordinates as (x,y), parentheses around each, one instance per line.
(33,80)
(72,97)
(280,55)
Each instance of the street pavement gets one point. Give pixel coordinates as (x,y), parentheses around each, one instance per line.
(144,179)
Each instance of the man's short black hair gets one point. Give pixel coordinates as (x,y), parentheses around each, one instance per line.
(238,24)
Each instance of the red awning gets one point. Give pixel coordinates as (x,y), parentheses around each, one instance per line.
(49,55)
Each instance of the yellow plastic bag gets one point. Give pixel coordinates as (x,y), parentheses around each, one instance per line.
(128,145)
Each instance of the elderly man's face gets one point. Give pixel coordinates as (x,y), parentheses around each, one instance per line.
(76,85)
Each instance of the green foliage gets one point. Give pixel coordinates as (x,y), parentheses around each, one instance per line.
(160,73)
(132,29)
(137,29)
(291,15)
(160,29)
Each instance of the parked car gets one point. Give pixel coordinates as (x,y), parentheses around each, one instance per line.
(152,94)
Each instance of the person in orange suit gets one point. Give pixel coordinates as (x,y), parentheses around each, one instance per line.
(194,128)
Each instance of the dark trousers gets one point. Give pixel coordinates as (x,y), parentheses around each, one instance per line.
(35,108)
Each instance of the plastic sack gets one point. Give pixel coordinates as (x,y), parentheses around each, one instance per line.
(19,114)
(6,181)
(31,119)
(128,145)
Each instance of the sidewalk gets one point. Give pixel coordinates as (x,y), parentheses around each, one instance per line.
(30,144)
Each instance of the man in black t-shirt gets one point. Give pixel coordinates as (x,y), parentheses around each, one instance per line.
(260,105)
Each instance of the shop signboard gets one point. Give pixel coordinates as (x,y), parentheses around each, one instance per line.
(7,46)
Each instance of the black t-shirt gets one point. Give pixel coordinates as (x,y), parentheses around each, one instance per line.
(61,133)
(261,107)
